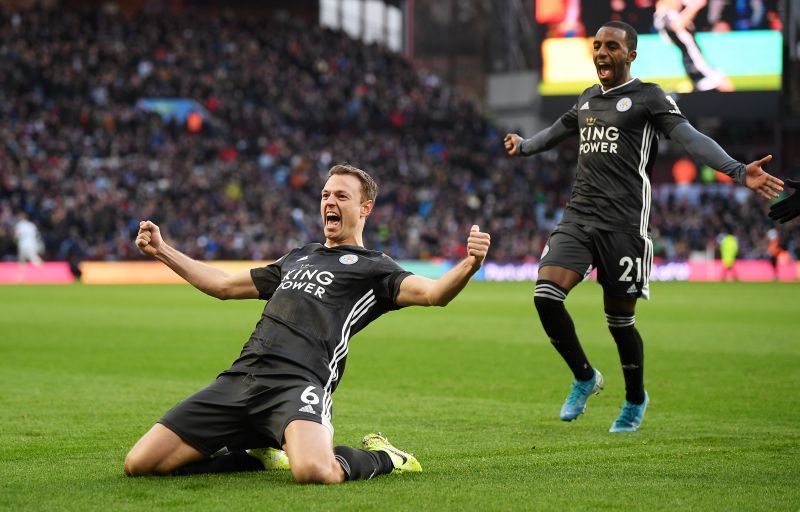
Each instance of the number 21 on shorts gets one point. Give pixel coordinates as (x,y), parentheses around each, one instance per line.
(628,263)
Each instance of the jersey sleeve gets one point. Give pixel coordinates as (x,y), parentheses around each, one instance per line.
(570,118)
(565,126)
(663,110)
(390,275)
(268,278)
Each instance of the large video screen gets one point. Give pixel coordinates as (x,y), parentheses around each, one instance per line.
(684,45)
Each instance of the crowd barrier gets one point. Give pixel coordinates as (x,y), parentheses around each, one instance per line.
(151,272)
(744,270)
(47,273)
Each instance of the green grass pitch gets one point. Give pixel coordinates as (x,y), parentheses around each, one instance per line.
(473,390)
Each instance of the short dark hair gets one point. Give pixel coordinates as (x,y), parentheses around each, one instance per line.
(631,37)
(369,189)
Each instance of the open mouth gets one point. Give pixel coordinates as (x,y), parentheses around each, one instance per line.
(332,219)
(603,71)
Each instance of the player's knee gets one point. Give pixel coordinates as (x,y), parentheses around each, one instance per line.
(617,320)
(545,305)
(548,298)
(138,463)
(316,472)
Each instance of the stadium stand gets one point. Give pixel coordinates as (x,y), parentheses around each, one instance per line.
(281,102)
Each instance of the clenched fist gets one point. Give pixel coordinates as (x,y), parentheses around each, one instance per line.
(149,240)
(511,142)
(478,245)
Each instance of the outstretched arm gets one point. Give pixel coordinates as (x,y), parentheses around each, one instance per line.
(422,291)
(206,278)
(705,150)
(542,141)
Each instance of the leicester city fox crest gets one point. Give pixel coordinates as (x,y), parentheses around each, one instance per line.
(624,104)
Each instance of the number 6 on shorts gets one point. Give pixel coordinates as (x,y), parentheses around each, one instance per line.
(309,397)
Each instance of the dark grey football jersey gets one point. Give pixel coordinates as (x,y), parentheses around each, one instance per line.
(618,132)
(318,298)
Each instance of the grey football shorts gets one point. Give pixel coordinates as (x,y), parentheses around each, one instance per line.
(241,411)
(623,260)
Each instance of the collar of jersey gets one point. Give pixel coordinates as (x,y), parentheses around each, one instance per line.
(347,247)
(620,86)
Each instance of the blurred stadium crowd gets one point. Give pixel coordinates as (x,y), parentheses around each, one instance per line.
(284,102)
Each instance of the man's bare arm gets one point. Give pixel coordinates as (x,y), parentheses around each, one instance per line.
(206,278)
(422,291)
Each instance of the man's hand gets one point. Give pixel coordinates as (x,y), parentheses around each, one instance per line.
(789,207)
(511,142)
(761,182)
(422,291)
(149,240)
(477,246)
